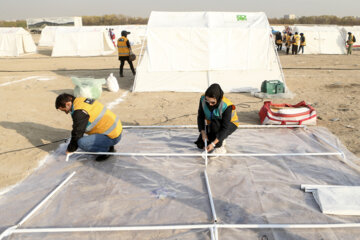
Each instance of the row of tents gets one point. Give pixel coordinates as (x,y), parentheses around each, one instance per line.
(188,51)
(68,41)
(322,39)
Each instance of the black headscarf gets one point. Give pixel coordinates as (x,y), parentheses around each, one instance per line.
(214,91)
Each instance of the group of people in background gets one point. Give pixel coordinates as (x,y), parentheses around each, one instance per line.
(295,42)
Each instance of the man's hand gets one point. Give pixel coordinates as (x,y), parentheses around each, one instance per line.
(210,147)
(67,152)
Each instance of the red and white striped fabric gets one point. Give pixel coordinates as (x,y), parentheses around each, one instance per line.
(286,114)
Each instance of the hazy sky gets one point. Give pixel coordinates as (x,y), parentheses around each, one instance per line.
(22,9)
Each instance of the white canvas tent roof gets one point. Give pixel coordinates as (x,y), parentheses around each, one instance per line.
(354,30)
(322,39)
(15,41)
(82,41)
(47,38)
(188,51)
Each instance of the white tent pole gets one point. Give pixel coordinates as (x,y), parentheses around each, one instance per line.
(216,232)
(345,160)
(212,233)
(12,229)
(210,154)
(210,197)
(46,199)
(194,226)
(206,152)
(195,126)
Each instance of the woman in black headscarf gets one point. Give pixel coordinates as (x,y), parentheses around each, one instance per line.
(220,116)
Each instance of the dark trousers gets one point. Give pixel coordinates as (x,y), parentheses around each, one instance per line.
(301,48)
(287,49)
(211,131)
(294,49)
(122,62)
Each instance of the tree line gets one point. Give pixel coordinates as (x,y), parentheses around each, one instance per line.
(119,19)
(325,19)
(112,19)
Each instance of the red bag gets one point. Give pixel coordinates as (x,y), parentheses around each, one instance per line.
(286,114)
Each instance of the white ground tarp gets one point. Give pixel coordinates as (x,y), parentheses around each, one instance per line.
(188,51)
(15,41)
(82,41)
(155,191)
(322,39)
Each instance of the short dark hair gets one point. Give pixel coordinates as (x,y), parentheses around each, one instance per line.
(62,99)
(215,91)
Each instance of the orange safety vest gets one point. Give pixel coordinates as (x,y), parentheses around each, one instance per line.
(101,120)
(217,113)
(296,40)
(123,49)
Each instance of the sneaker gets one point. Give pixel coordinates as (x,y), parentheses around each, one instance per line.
(220,150)
(224,143)
(101,158)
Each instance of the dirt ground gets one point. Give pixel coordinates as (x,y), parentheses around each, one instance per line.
(29,85)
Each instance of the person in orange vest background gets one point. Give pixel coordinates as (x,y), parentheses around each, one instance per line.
(288,42)
(103,127)
(278,41)
(350,42)
(221,119)
(124,50)
(295,43)
(302,43)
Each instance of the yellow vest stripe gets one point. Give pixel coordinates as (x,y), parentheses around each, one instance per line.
(112,126)
(97,119)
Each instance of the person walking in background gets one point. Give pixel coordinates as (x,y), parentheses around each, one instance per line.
(302,43)
(278,41)
(221,117)
(350,41)
(103,127)
(295,43)
(288,43)
(124,50)
(112,36)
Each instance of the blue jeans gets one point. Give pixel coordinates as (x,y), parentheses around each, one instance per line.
(97,143)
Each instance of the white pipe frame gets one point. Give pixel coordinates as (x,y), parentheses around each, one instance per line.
(13,229)
(212,205)
(188,227)
(213,228)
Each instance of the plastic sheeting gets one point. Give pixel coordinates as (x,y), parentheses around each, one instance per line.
(139,191)
(188,51)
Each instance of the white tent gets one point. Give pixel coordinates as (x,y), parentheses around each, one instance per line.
(322,39)
(47,37)
(15,41)
(354,30)
(136,36)
(82,41)
(188,51)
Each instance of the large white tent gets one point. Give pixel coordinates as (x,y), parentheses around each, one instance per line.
(82,41)
(188,51)
(322,39)
(47,37)
(15,41)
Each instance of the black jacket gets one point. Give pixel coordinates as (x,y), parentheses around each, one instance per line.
(80,121)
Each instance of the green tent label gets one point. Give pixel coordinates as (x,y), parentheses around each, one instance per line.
(241,17)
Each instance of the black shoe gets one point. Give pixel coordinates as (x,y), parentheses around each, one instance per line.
(101,158)
(121,75)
